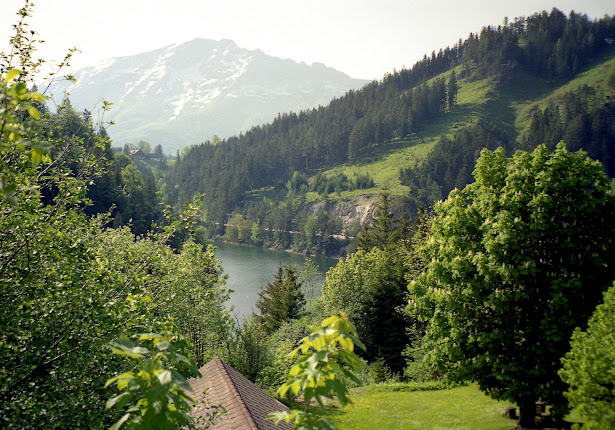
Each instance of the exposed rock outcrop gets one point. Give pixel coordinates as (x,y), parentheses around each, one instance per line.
(359,209)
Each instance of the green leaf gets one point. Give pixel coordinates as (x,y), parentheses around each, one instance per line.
(278,416)
(21,89)
(37,156)
(119,400)
(12,74)
(149,336)
(120,422)
(34,112)
(163,345)
(118,377)
(165,377)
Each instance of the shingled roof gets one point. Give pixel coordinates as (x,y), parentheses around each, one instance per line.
(247,405)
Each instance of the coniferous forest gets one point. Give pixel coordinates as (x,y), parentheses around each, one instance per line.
(492,263)
(549,46)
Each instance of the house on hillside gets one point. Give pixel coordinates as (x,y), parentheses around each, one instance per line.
(137,154)
(247,405)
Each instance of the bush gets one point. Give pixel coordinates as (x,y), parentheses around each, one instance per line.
(246,349)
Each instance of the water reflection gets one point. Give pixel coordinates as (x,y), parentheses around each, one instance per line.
(250,268)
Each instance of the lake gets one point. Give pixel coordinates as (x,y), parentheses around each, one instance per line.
(249,269)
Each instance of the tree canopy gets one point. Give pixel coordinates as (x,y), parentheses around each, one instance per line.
(588,367)
(517,260)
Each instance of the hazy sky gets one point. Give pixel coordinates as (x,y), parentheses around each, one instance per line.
(363,38)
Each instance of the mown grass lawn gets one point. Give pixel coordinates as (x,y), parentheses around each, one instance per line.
(455,408)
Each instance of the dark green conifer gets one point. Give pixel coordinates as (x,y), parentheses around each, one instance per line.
(451,91)
(281,300)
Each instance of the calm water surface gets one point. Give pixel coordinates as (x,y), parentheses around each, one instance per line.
(249,269)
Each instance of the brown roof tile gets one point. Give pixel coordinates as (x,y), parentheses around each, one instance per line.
(246,404)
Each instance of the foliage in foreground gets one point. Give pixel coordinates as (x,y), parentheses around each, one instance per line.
(68,285)
(589,370)
(154,396)
(324,357)
(517,260)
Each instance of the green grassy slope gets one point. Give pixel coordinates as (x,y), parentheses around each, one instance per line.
(508,108)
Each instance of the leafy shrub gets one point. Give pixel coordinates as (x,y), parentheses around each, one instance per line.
(411,386)
(322,359)
(155,394)
(417,369)
(246,349)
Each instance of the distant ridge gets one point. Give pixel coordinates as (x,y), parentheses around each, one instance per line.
(185,93)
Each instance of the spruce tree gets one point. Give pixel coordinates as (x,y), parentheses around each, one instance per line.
(386,226)
(281,300)
(451,91)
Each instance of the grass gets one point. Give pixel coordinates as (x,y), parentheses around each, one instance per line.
(540,91)
(509,108)
(454,408)
(384,166)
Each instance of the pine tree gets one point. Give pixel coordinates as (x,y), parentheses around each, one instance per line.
(281,300)
(451,91)
(385,228)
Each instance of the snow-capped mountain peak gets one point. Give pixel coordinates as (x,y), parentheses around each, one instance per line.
(185,93)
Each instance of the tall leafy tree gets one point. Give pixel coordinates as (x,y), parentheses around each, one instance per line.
(370,288)
(67,284)
(517,260)
(144,146)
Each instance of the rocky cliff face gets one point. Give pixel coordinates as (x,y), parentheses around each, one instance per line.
(185,93)
(359,210)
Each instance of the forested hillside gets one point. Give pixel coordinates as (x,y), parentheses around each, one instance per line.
(430,102)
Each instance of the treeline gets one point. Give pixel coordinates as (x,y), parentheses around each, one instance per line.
(340,182)
(284,225)
(549,45)
(583,118)
(306,142)
(288,223)
(450,163)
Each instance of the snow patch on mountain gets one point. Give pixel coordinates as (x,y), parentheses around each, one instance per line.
(185,93)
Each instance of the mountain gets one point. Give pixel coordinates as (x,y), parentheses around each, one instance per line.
(185,93)
(417,133)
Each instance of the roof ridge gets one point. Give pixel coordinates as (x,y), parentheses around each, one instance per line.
(231,384)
